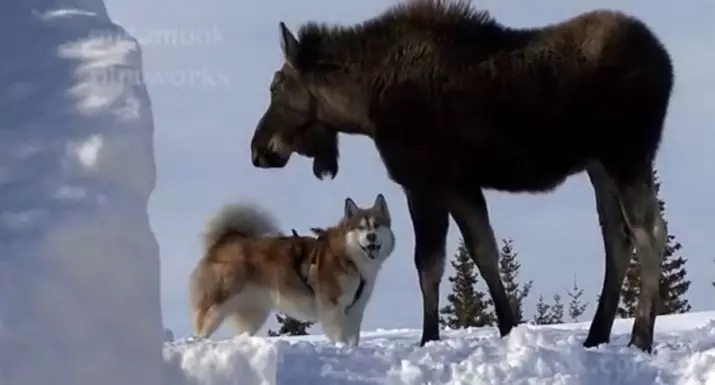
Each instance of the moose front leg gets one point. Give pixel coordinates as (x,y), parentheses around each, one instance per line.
(430,221)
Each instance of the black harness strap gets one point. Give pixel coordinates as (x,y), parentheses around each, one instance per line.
(298,264)
(358,293)
(304,278)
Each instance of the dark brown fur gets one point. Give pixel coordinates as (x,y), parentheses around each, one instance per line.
(457,103)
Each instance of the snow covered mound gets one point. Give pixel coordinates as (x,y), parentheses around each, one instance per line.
(548,355)
(79,265)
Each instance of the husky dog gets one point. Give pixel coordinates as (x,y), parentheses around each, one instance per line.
(250,269)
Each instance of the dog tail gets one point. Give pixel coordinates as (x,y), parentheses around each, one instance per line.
(242,219)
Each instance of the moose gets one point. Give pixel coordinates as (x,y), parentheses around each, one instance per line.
(457,104)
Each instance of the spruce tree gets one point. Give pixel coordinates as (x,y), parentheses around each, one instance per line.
(509,271)
(543,310)
(630,291)
(548,314)
(290,326)
(672,284)
(556,311)
(576,307)
(467,306)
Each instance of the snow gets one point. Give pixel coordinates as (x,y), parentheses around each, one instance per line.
(534,355)
(79,265)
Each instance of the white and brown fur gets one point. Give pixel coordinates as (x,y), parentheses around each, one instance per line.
(249,269)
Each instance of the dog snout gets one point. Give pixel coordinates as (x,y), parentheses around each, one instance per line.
(371,237)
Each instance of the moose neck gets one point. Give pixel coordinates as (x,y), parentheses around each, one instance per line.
(347,112)
(357,129)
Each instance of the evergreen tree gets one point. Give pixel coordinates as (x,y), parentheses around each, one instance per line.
(543,310)
(290,326)
(576,307)
(629,291)
(556,311)
(509,271)
(547,314)
(672,284)
(467,306)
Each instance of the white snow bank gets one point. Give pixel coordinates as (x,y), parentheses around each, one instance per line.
(534,355)
(79,265)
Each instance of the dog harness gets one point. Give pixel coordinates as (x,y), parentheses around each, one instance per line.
(298,265)
(358,293)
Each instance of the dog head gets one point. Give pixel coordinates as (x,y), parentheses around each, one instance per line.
(368,230)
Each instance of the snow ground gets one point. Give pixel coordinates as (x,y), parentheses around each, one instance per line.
(79,265)
(533,355)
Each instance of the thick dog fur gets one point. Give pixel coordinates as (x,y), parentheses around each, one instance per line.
(249,269)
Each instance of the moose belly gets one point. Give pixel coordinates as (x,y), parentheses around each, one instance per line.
(417,166)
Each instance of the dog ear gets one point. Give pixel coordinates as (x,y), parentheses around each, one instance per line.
(381,205)
(350,208)
(295,233)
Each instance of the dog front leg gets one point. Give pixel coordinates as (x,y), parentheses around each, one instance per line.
(358,327)
(334,322)
(354,319)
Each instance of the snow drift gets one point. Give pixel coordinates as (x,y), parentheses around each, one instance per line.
(533,355)
(79,265)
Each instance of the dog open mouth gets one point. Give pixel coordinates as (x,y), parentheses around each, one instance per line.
(371,250)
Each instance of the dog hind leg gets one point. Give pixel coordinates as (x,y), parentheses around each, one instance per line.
(249,320)
(207,321)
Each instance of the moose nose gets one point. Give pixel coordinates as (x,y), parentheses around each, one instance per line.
(256,158)
(371,237)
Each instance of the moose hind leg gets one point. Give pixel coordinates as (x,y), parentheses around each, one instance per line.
(648,229)
(430,221)
(618,248)
(472,218)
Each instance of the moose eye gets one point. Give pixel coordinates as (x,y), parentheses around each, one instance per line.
(277,80)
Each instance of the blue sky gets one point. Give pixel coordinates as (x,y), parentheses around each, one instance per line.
(208,68)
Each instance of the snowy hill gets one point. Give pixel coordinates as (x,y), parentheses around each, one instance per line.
(79,265)
(548,355)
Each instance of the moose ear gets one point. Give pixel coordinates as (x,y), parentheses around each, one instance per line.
(381,205)
(289,45)
(350,208)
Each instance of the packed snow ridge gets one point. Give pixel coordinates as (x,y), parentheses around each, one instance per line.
(533,355)
(79,265)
